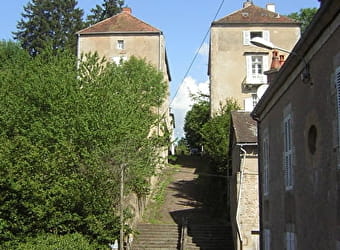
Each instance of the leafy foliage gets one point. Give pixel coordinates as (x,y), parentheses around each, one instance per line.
(194,121)
(304,16)
(182,147)
(215,134)
(63,135)
(106,10)
(49,23)
(51,241)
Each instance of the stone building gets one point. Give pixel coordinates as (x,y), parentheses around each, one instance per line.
(299,142)
(243,181)
(236,68)
(117,39)
(121,36)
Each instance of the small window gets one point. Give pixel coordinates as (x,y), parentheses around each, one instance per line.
(120,44)
(254,34)
(250,34)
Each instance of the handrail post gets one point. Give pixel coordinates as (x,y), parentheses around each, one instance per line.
(184,232)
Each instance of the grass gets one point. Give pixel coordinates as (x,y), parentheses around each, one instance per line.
(152,213)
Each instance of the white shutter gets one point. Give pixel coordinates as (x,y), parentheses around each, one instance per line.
(248,104)
(265,67)
(266,35)
(288,153)
(249,69)
(265,63)
(246,37)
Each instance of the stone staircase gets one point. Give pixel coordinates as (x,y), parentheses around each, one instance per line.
(209,237)
(168,237)
(160,237)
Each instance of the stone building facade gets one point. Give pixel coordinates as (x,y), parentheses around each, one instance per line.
(299,130)
(236,68)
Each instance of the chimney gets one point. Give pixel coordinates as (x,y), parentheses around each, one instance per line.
(275,60)
(271,7)
(127,10)
(247,4)
(282,60)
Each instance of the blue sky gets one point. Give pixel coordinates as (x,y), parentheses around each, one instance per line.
(184,23)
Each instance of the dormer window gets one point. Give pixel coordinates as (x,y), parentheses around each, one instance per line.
(120,44)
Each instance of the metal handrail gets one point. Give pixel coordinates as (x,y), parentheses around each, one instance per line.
(184,232)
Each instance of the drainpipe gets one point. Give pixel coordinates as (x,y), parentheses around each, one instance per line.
(78,51)
(240,189)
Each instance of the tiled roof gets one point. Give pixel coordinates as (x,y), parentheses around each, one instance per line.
(254,14)
(244,127)
(122,22)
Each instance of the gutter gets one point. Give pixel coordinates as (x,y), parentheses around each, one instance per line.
(122,33)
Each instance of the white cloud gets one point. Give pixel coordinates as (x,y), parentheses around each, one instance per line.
(204,50)
(183,101)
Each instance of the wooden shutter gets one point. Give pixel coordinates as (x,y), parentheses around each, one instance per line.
(246,37)
(249,69)
(266,35)
(288,153)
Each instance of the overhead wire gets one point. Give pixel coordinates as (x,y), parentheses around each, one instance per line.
(196,54)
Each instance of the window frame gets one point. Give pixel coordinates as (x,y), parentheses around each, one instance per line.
(120,44)
(256,78)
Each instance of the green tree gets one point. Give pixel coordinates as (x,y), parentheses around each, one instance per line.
(107,9)
(182,147)
(194,121)
(64,133)
(49,23)
(304,16)
(215,134)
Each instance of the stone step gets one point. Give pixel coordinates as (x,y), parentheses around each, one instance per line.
(153,236)
(209,237)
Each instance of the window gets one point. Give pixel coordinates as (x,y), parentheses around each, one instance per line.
(249,34)
(288,152)
(119,59)
(265,159)
(266,239)
(120,44)
(290,241)
(256,65)
(337,245)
